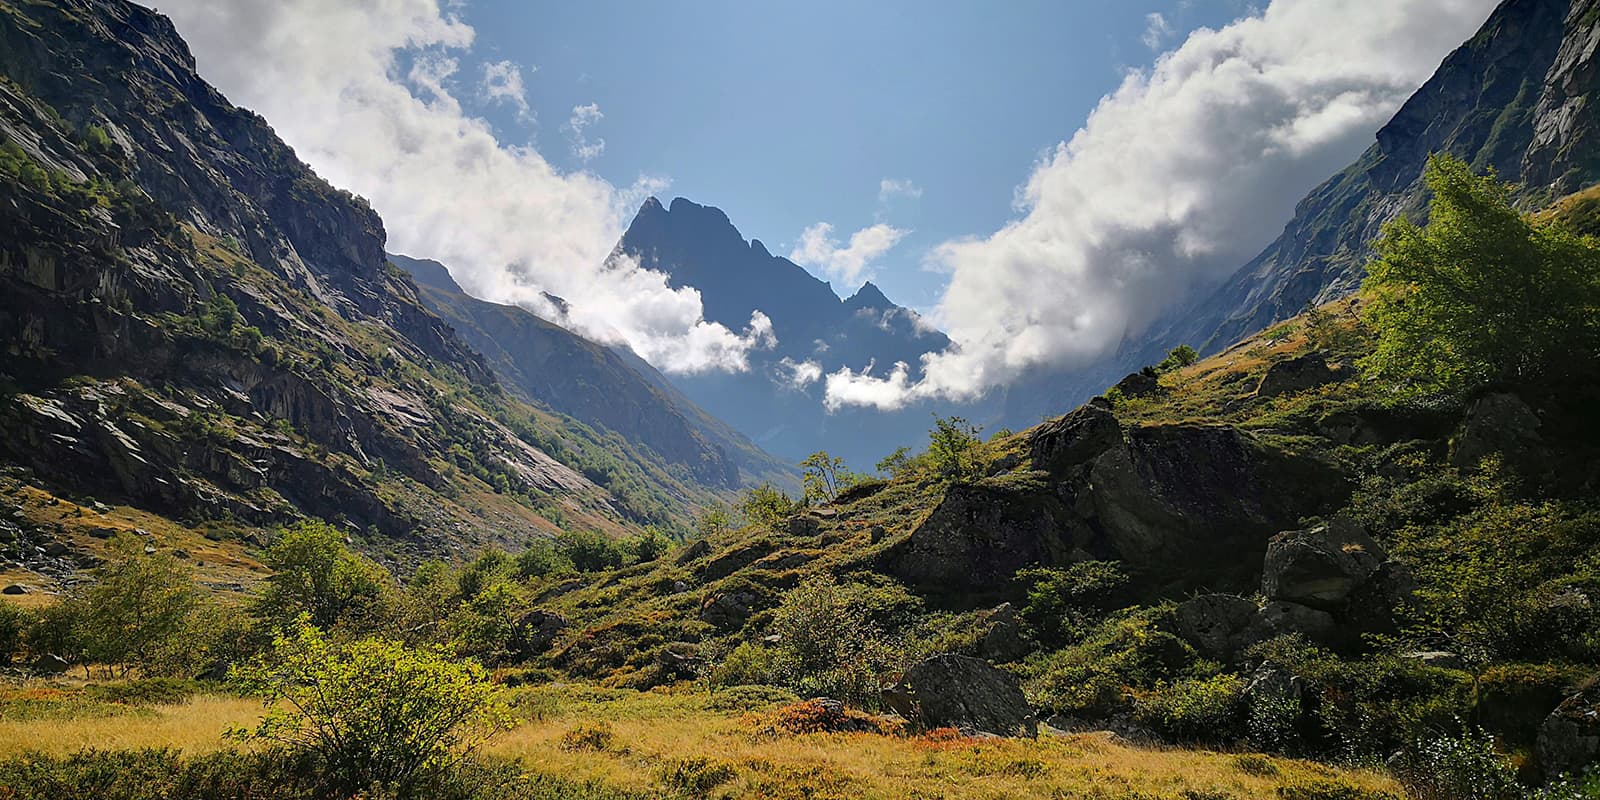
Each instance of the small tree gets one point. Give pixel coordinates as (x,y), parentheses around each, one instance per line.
(952,447)
(377,713)
(765,505)
(714,520)
(137,602)
(649,545)
(589,551)
(314,573)
(897,463)
(1482,294)
(1181,356)
(823,476)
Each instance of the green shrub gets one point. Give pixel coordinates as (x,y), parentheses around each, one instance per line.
(1257,765)
(1128,651)
(1202,709)
(749,698)
(591,737)
(148,691)
(14,624)
(1332,790)
(1064,604)
(376,712)
(832,642)
(1464,767)
(589,551)
(314,572)
(696,775)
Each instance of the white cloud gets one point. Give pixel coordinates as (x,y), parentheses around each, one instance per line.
(800,374)
(847,264)
(891,188)
(1156,30)
(331,78)
(1176,179)
(584,117)
(850,388)
(502,83)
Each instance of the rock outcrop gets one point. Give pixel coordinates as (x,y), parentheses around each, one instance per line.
(954,691)
(1569,739)
(1295,375)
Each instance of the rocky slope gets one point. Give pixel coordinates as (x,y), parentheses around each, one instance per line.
(194,323)
(698,246)
(596,385)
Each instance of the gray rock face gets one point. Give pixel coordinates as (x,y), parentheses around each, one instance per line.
(1279,618)
(1075,438)
(1139,384)
(1569,739)
(729,610)
(1320,567)
(1496,423)
(954,691)
(534,632)
(1003,641)
(978,537)
(1295,375)
(1215,624)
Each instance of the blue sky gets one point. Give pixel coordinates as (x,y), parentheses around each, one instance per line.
(1150,161)
(789,114)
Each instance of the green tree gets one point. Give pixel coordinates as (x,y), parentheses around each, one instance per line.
(712,521)
(1482,294)
(137,603)
(765,505)
(314,573)
(897,463)
(830,644)
(589,551)
(541,559)
(380,715)
(1181,356)
(14,624)
(953,448)
(823,476)
(649,545)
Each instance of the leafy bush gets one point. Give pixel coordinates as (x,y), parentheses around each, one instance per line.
(1128,651)
(953,448)
(765,505)
(589,551)
(373,711)
(1464,767)
(1065,604)
(1204,709)
(591,737)
(14,624)
(831,640)
(314,573)
(137,603)
(148,691)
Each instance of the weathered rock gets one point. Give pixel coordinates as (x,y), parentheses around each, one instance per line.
(677,662)
(14,588)
(534,632)
(1215,624)
(1569,739)
(1281,618)
(736,559)
(729,610)
(1320,566)
(1003,641)
(1139,384)
(50,664)
(954,691)
(56,549)
(1075,438)
(700,549)
(1496,423)
(1295,375)
(979,536)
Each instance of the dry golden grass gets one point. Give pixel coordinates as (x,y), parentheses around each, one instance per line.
(655,731)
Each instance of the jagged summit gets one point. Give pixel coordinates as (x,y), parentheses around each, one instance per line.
(868,296)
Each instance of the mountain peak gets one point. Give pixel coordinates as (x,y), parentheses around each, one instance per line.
(868,296)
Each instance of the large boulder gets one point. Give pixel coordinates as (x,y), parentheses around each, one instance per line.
(978,536)
(1074,438)
(1139,384)
(1322,566)
(1295,375)
(728,610)
(1215,624)
(955,691)
(1496,423)
(1002,639)
(1279,618)
(534,632)
(1569,739)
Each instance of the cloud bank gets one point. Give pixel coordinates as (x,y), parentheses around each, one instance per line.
(1177,178)
(366,93)
(849,263)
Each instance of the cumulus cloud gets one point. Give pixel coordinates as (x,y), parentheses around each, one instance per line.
(848,263)
(502,83)
(1156,30)
(366,92)
(584,117)
(799,374)
(890,392)
(1177,178)
(891,188)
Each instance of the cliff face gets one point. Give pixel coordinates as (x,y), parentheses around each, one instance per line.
(1517,98)
(195,323)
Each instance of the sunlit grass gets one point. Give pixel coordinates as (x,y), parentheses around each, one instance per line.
(656,732)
